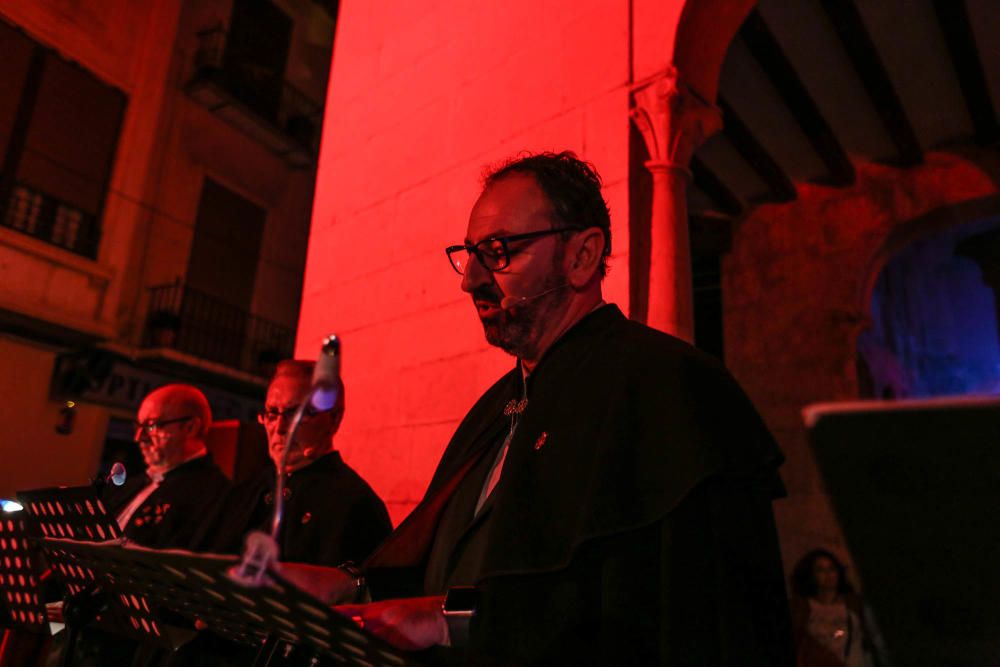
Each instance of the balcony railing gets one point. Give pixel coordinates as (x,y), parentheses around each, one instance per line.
(287,120)
(203,326)
(51,220)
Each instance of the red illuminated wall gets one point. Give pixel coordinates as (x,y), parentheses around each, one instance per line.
(421,97)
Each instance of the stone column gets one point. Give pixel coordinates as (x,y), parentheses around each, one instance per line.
(674,122)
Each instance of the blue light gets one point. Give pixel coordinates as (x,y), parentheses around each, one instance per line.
(10,506)
(934,328)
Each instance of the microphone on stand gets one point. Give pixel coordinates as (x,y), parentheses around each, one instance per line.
(326,384)
(510,302)
(261,549)
(118,474)
(326,375)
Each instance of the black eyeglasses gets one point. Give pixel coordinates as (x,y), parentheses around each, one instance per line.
(154,426)
(493,253)
(272,415)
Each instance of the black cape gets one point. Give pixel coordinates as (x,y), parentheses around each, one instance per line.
(331,515)
(632,523)
(173,515)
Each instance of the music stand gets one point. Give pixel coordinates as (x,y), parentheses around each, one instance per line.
(77,513)
(20,575)
(915,486)
(197,587)
(74,512)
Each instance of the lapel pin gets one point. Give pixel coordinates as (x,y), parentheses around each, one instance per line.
(307,517)
(515,407)
(541,440)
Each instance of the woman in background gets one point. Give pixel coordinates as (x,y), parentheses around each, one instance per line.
(827,616)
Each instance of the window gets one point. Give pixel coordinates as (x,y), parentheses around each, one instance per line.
(59,128)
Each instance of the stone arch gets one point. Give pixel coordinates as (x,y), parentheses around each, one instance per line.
(928,224)
(674,110)
(879,368)
(704,32)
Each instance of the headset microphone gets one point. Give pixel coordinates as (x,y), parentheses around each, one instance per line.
(509,302)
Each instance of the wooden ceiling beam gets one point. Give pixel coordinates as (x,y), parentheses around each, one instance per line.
(751,150)
(953,18)
(857,43)
(768,53)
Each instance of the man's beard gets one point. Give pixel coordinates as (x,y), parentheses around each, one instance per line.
(517,330)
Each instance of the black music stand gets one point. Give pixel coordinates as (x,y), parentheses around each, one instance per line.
(915,485)
(77,513)
(197,587)
(70,512)
(21,575)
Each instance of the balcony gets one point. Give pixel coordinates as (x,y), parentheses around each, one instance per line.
(194,323)
(51,220)
(263,106)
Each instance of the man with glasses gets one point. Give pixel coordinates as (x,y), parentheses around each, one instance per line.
(608,501)
(165,507)
(331,514)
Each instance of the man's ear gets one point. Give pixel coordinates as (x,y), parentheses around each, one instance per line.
(584,253)
(196,428)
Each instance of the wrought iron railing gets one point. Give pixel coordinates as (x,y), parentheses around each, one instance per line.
(203,326)
(294,112)
(52,220)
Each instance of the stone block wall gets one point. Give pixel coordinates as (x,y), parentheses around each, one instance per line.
(796,287)
(422,96)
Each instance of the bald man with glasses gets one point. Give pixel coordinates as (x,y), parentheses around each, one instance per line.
(165,507)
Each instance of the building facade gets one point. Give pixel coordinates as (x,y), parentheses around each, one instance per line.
(158,164)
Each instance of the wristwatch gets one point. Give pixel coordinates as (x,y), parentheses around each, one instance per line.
(458,608)
(360,585)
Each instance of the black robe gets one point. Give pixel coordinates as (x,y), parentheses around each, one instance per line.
(331,515)
(172,516)
(632,522)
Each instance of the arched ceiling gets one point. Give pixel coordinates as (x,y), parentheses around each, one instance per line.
(809,87)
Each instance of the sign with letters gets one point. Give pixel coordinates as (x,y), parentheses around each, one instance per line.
(120,384)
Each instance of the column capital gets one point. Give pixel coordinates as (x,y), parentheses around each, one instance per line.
(673,119)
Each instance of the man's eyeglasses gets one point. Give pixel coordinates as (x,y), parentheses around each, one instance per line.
(272,415)
(493,253)
(154,426)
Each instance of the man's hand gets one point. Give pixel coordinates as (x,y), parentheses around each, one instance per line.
(411,624)
(330,585)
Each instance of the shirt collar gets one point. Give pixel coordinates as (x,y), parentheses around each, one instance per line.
(158,476)
(525,372)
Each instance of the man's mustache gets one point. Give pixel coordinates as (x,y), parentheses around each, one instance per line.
(487,293)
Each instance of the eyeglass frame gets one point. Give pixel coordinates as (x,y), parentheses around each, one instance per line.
(266,417)
(151,427)
(473,249)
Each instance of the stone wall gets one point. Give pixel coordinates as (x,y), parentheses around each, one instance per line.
(422,96)
(795,289)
